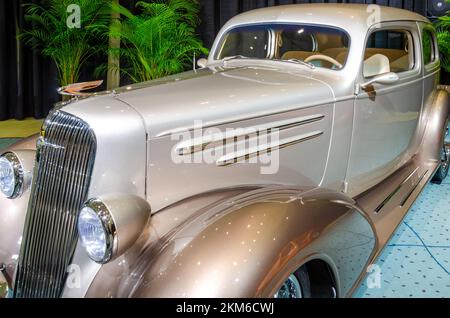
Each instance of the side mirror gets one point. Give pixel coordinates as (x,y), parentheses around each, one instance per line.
(386,79)
(202,62)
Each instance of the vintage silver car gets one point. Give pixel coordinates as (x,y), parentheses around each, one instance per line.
(280,168)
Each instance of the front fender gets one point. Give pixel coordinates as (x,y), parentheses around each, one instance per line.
(248,245)
(13,212)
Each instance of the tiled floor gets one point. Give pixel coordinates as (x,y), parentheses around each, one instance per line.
(416,262)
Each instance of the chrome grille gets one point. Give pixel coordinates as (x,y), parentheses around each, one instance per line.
(60,186)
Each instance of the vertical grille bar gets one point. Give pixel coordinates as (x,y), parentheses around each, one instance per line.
(60,187)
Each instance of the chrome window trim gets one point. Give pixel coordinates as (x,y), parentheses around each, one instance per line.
(435,64)
(435,53)
(407,26)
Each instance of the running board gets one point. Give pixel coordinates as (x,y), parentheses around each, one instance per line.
(400,187)
(393,193)
(409,194)
(387,203)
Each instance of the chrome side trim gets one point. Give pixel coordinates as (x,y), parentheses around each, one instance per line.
(254,116)
(393,193)
(235,157)
(408,195)
(198,144)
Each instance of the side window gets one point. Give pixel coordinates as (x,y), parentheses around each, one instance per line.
(429,47)
(390,50)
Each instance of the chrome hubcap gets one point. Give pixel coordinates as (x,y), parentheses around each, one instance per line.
(290,289)
(445,156)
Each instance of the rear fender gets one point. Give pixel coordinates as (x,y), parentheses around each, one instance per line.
(438,111)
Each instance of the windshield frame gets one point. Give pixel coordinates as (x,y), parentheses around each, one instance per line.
(219,46)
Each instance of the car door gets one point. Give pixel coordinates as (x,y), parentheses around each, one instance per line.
(386,116)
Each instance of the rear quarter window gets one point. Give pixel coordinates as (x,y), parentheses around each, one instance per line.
(429,47)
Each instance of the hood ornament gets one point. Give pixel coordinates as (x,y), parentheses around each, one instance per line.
(77,88)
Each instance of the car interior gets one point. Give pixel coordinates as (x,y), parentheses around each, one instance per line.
(394,45)
(321,46)
(333,45)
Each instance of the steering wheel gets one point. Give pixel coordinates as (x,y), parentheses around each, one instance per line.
(324,58)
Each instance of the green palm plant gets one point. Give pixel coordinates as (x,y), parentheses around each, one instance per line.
(443,36)
(158,42)
(69,47)
(444,48)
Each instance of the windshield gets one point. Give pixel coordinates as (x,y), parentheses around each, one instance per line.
(319,46)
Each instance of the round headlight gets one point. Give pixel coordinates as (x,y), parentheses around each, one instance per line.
(97,231)
(110,225)
(11,175)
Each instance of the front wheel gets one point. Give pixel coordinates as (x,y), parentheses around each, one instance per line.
(442,172)
(296,286)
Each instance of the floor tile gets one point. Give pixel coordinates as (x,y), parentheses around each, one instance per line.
(416,261)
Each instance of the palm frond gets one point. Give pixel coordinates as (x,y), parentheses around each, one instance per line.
(444,48)
(161,40)
(443,36)
(68,47)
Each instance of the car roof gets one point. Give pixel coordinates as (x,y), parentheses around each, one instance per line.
(351,17)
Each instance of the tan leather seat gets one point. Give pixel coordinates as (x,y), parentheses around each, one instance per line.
(299,55)
(402,64)
(398,59)
(342,57)
(335,52)
(340,54)
(391,54)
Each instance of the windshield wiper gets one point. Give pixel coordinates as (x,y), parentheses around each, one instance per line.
(297,61)
(308,64)
(234,57)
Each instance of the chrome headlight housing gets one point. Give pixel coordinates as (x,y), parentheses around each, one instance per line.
(97,231)
(110,225)
(11,175)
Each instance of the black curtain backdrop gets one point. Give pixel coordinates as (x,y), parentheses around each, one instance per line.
(28,82)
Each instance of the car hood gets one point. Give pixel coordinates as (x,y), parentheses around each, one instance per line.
(215,96)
